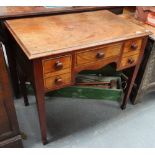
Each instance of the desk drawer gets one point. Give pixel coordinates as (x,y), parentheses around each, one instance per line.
(57,81)
(57,64)
(132,46)
(98,54)
(129,61)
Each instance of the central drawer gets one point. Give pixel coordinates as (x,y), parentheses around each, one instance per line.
(98,54)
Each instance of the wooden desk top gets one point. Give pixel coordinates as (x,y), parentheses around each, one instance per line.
(44,36)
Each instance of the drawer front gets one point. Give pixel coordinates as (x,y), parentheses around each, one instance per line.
(129,61)
(57,64)
(63,71)
(57,81)
(128,54)
(98,54)
(133,46)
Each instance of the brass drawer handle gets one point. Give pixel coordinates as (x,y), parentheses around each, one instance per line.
(134,46)
(131,60)
(100,55)
(58,80)
(58,65)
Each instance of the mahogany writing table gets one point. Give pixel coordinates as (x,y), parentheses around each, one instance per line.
(53,49)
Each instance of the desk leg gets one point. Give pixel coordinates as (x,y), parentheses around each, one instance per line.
(39,91)
(129,87)
(131,80)
(22,79)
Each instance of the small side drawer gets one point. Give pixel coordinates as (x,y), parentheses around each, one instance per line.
(56,64)
(129,61)
(133,46)
(98,54)
(57,81)
(128,54)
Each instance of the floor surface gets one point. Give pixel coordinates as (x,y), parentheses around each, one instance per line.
(80,123)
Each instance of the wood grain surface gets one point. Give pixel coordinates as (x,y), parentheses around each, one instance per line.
(44,36)
(91,55)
